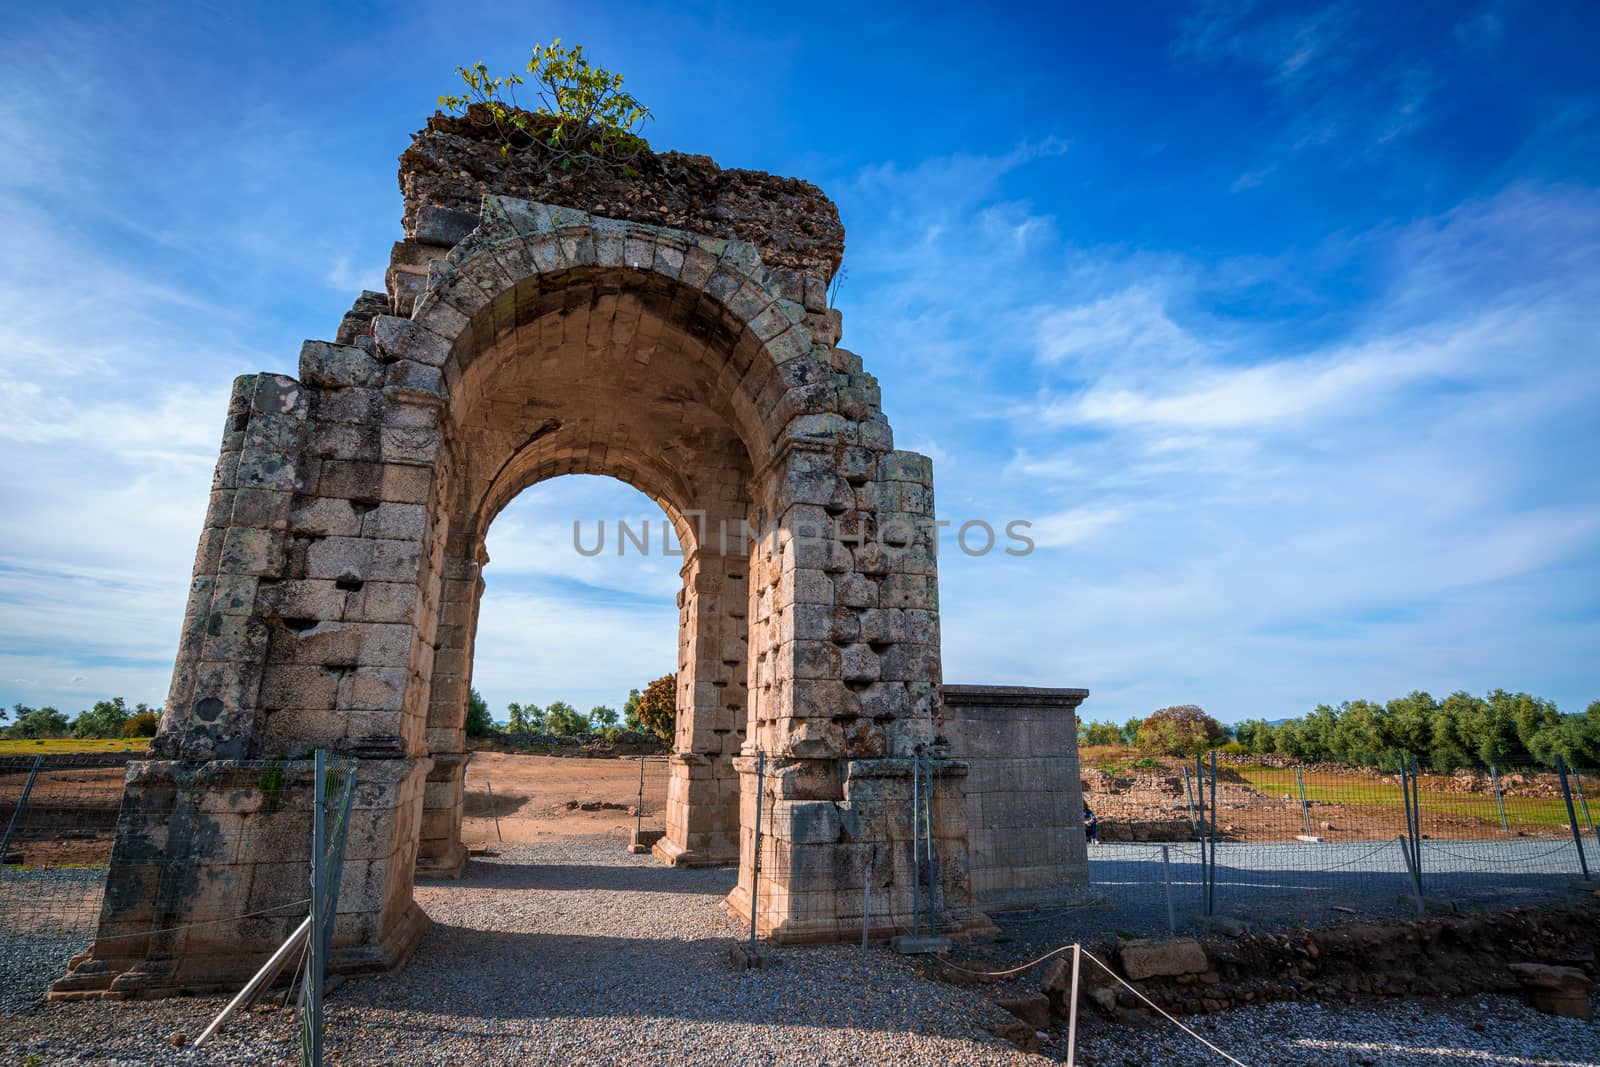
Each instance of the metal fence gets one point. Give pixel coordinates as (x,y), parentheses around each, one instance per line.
(58,816)
(1278,845)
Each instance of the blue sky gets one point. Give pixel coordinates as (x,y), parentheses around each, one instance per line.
(1280,322)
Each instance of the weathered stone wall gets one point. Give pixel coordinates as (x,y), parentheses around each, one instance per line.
(454,161)
(1023,799)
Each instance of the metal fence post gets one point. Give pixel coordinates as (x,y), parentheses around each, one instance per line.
(1200,824)
(1188,794)
(638,811)
(1416,879)
(755,859)
(1499,798)
(494,809)
(1211,887)
(316,964)
(1305,810)
(1166,876)
(1572,817)
(934,902)
(916,843)
(16,813)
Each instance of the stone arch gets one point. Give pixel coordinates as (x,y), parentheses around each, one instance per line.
(337,582)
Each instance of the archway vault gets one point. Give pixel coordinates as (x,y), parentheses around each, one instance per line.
(338,578)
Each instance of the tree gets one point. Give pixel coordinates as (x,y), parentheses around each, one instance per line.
(1182,730)
(658,706)
(1408,724)
(583,118)
(564,720)
(603,716)
(1130,731)
(525,718)
(33,723)
(630,711)
(105,719)
(479,722)
(1099,733)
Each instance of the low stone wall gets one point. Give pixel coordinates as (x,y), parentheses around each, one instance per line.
(1023,796)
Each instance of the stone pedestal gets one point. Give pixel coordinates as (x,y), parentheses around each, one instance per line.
(817,854)
(702,812)
(211,871)
(1023,797)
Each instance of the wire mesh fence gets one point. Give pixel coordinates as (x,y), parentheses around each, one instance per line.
(650,802)
(62,815)
(1278,845)
(58,815)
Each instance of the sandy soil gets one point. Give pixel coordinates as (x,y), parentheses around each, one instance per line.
(541,797)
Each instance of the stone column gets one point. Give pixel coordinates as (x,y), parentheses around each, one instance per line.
(844,690)
(703,788)
(311,624)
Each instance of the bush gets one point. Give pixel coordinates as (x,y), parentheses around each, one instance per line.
(1182,730)
(142,723)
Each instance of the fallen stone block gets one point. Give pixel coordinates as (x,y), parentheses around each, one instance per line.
(1555,990)
(1154,959)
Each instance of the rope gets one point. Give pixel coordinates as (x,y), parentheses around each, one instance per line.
(1429,846)
(206,922)
(1012,971)
(1091,956)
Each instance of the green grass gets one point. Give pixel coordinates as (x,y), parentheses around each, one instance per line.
(54,745)
(1353,790)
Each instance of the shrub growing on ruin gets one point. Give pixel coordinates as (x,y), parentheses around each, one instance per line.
(583,117)
(1182,730)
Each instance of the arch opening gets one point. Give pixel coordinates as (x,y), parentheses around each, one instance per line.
(595,374)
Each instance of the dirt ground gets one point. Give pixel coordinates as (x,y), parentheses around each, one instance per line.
(72,812)
(541,797)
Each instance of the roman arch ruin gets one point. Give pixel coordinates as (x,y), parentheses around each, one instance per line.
(569,329)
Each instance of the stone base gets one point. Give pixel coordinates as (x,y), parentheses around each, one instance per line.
(673,854)
(921,944)
(210,871)
(450,865)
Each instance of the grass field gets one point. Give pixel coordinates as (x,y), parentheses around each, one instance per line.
(54,745)
(1331,788)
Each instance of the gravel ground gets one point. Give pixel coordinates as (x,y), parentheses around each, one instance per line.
(574,952)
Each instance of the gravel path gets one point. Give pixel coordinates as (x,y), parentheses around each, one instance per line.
(574,952)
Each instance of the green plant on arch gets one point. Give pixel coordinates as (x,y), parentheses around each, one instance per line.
(583,118)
